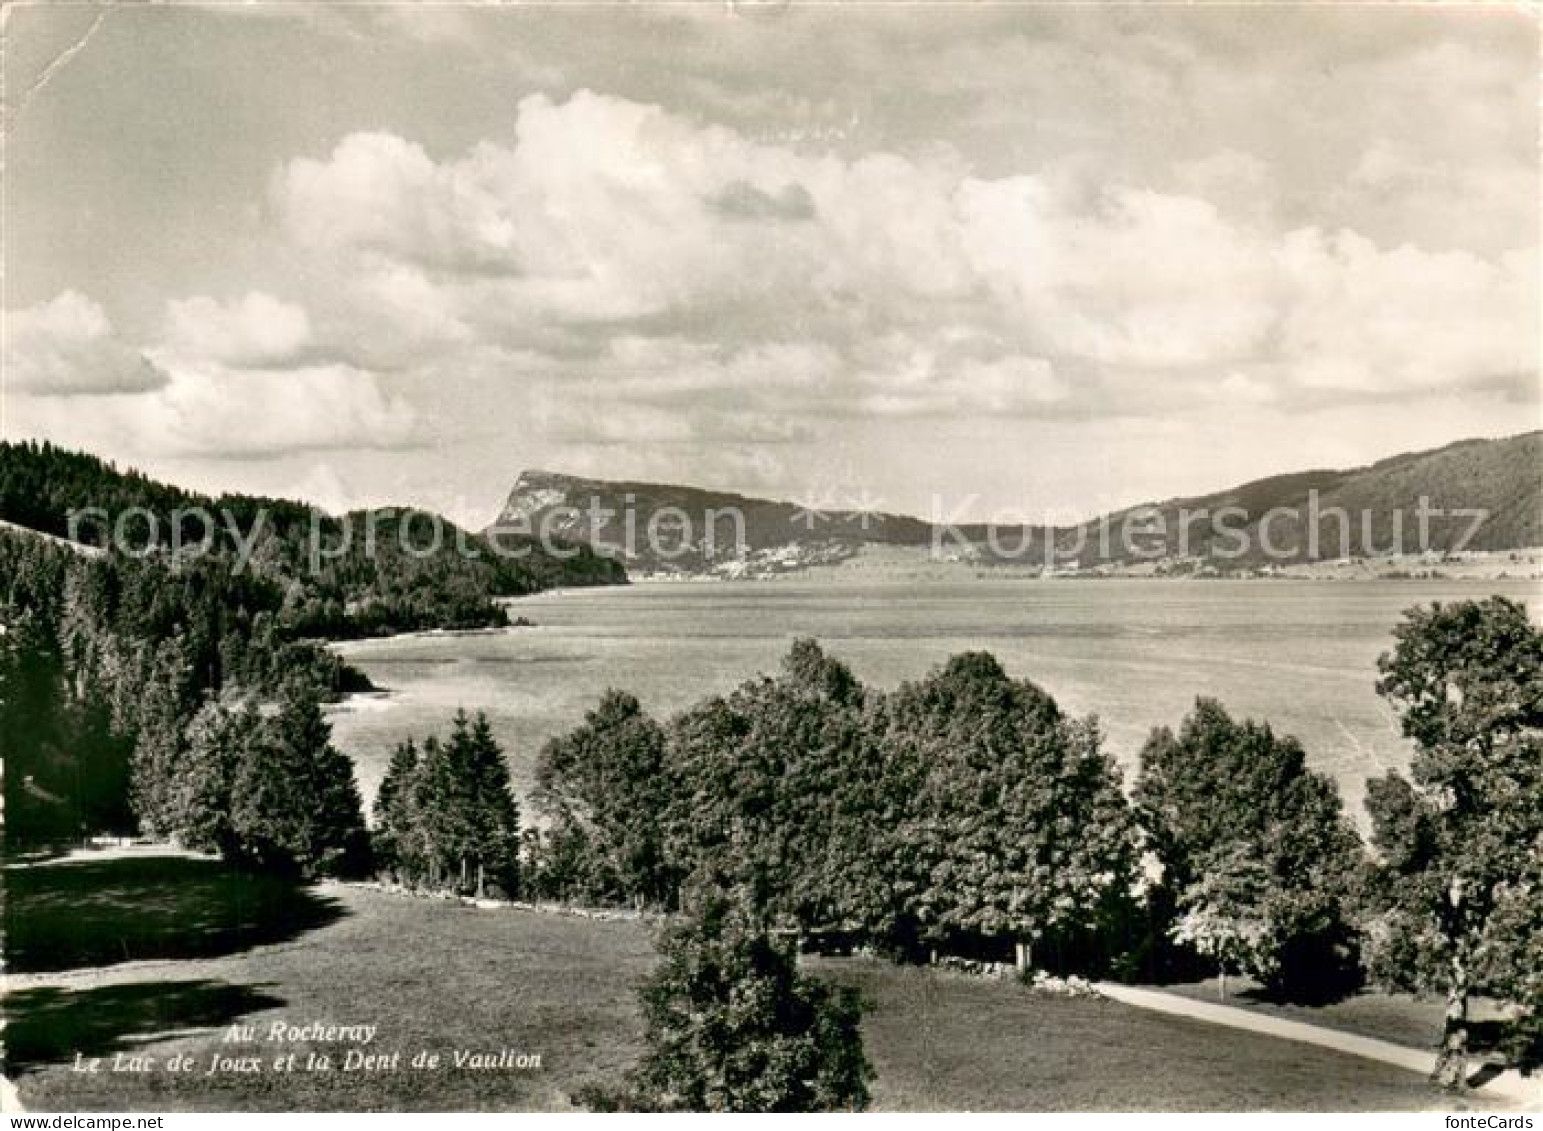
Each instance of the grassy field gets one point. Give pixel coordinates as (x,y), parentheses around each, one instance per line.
(946,1042)
(432,975)
(133,980)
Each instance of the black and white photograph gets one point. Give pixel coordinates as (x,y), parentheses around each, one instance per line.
(789,556)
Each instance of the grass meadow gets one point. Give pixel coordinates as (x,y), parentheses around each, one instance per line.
(168,952)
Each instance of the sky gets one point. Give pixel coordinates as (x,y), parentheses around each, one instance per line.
(985,261)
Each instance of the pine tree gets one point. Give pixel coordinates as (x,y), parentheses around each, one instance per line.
(442,813)
(496,814)
(294,806)
(396,843)
(197,812)
(449,812)
(160,745)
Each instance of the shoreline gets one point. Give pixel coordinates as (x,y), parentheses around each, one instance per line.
(919,563)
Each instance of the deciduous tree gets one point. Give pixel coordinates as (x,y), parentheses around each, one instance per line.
(1460,874)
(1019,831)
(732,1026)
(603,789)
(1226,791)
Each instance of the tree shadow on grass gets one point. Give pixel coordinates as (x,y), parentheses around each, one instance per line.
(1328,992)
(49,1025)
(61,916)
(1505,1043)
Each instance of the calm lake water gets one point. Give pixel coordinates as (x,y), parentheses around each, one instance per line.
(1135,652)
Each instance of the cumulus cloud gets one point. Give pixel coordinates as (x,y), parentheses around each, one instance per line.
(66,347)
(953,374)
(685,370)
(255,330)
(656,256)
(221,414)
(606,210)
(224,382)
(1368,321)
(934,244)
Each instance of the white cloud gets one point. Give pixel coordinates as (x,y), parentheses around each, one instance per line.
(215,388)
(256,330)
(1133,278)
(225,414)
(653,256)
(66,347)
(680,369)
(907,377)
(1243,389)
(381,193)
(1405,321)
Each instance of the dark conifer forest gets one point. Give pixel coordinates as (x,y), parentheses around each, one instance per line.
(154,680)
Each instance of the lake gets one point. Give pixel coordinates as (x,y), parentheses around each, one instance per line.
(1136,652)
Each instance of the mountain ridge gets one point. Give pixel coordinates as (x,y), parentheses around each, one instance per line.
(1364,511)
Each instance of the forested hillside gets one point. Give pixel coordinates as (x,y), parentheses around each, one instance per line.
(160,684)
(363,573)
(107,664)
(1475,494)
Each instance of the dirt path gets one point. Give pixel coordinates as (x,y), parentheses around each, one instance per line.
(1509,1088)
